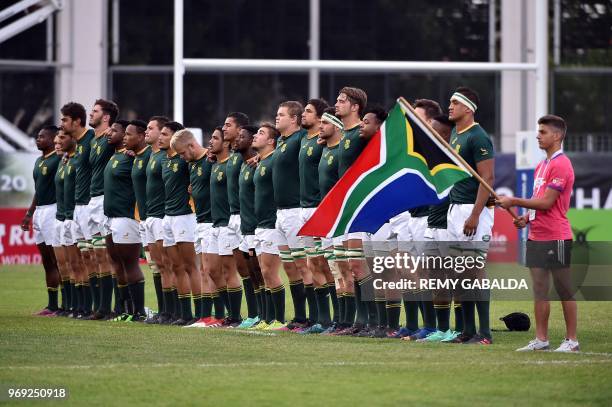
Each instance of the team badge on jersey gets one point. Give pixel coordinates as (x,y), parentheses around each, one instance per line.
(98,150)
(235,159)
(347,144)
(262,171)
(80,149)
(175,167)
(283,148)
(220,176)
(62,173)
(115,162)
(153,164)
(199,171)
(44,170)
(330,160)
(309,151)
(246,175)
(140,164)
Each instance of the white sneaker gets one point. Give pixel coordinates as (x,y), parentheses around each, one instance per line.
(568,346)
(535,344)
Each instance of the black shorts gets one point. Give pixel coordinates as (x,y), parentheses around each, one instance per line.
(549,254)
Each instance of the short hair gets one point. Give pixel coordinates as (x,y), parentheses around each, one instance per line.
(108,107)
(431,107)
(182,136)
(357,97)
(378,111)
(75,111)
(250,129)
(294,108)
(330,110)
(51,128)
(555,122)
(174,126)
(123,123)
(220,130)
(240,118)
(161,121)
(443,119)
(140,125)
(272,130)
(320,105)
(469,93)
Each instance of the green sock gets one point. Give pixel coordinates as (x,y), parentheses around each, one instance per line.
(394,309)
(311,299)
(381,311)
(159,293)
(219,306)
(137,293)
(443,316)
(198,303)
(411,307)
(469,318)
(269,316)
(168,304)
(298,296)
(235,300)
(458,317)
(249,295)
(323,317)
(87,297)
(207,303)
(185,301)
(52,293)
(484,328)
(333,295)
(278,299)
(350,309)
(94,286)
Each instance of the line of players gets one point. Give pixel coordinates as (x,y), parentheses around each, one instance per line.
(251,189)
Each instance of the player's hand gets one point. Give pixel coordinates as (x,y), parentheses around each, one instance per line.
(26,222)
(321,141)
(130,153)
(253,161)
(504,202)
(189,189)
(470,225)
(520,222)
(491,202)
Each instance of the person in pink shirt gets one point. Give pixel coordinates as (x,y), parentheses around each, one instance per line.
(550,235)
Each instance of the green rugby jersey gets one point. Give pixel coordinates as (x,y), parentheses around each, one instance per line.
(351,146)
(199,176)
(248,220)
(234,164)
(175,174)
(473,145)
(99,155)
(83,168)
(286,174)
(219,203)
(45,169)
(60,213)
(265,207)
(328,169)
(139,180)
(70,171)
(309,157)
(156,193)
(436,218)
(419,211)
(119,197)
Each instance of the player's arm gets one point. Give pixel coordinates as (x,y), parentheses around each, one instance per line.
(541,204)
(486,170)
(25,223)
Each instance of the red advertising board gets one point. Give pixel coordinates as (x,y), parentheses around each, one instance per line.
(16,246)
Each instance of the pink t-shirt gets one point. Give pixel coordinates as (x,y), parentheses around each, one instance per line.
(558,174)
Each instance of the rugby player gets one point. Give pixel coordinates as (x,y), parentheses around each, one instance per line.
(179,225)
(124,240)
(234,122)
(550,234)
(287,197)
(102,116)
(73,121)
(470,219)
(266,234)
(42,213)
(200,167)
(224,238)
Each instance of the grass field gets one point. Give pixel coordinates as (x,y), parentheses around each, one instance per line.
(101,363)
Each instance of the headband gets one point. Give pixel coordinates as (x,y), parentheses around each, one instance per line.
(464,101)
(333,120)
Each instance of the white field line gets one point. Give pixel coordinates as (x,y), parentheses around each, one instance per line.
(311,364)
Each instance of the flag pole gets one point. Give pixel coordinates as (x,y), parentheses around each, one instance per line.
(473,172)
